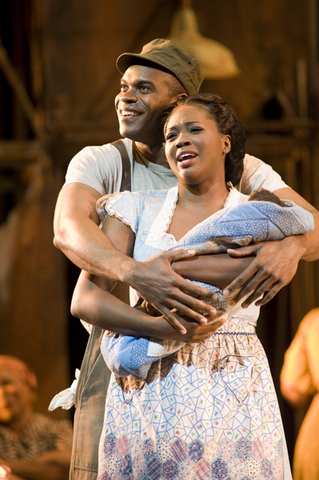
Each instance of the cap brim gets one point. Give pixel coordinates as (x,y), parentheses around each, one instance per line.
(126,60)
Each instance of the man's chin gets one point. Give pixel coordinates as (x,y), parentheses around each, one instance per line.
(128,132)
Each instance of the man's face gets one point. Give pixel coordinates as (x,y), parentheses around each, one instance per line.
(16,398)
(144,95)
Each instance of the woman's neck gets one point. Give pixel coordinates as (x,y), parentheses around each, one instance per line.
(210,197)
(194,205)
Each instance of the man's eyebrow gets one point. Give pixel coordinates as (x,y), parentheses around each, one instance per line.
(139,82)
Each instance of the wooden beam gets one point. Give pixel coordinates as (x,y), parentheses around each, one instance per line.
(15,82)
(16,153)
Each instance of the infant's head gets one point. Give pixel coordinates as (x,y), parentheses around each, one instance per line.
(263,195)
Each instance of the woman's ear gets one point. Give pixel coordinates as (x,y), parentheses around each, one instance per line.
(227,144)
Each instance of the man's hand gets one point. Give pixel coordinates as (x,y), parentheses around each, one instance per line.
(274,266)
(169,293)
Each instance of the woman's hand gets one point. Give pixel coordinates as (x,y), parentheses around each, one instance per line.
(195,332)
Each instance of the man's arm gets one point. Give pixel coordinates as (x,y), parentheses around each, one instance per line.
(78,235)
(53,465)
(217,269)
(276,262)
(76,230)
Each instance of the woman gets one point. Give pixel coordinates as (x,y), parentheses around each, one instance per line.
(208,410)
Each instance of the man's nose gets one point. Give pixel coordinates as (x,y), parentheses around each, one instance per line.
(128,96)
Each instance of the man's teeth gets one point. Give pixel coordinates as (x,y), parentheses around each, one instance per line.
(127,113)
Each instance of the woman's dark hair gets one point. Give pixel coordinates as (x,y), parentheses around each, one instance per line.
(227,123)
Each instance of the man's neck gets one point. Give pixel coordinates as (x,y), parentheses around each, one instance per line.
(154,153)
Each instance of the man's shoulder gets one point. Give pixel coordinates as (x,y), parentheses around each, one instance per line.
(252,161)
(106,149)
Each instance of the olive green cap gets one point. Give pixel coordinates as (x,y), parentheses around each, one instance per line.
(166,56)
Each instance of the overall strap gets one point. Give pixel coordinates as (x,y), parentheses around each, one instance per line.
(121,290)
(126,175)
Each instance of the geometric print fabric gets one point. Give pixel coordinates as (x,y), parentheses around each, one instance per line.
(209,411)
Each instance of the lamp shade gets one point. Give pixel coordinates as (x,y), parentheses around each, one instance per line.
(216,60)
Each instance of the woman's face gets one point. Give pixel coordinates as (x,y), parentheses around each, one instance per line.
(194,147)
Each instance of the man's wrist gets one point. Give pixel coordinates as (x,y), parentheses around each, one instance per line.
(298,243)
(132,273)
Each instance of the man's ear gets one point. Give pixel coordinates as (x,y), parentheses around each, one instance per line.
(181,95)
(227,144)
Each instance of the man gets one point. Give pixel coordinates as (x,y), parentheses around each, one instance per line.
(158,76)
(32,445)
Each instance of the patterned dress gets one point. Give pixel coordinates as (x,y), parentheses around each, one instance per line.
(207,411)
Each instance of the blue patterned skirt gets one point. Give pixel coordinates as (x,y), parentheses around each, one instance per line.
(208,411)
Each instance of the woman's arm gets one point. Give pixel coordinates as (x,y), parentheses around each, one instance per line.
(93,301)
(100,308)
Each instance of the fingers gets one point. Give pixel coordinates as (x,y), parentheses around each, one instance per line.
(180,254)
(244,251)
(270,294)
(242,280)
(177,310)
(174,320)
(203,332)
(264,289)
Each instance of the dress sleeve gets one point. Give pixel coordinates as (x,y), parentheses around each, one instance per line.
(126,206)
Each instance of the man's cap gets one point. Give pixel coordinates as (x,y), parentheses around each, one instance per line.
(166,56)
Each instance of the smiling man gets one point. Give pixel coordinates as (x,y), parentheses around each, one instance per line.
(151,80)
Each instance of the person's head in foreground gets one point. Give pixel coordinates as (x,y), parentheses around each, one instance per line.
(161,74)
(18,392)
(204,140)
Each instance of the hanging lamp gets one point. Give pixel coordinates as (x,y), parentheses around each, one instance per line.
(216,60)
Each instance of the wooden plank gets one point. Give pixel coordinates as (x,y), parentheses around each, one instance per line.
(16,153)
